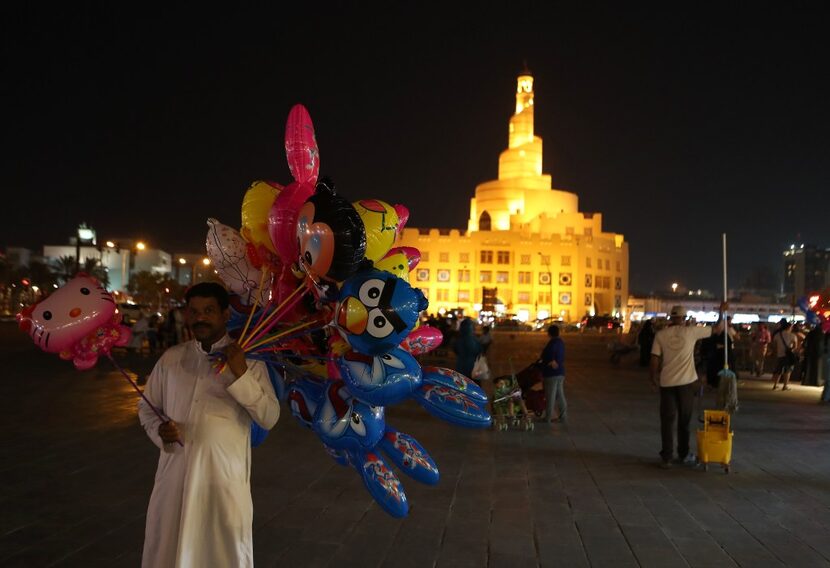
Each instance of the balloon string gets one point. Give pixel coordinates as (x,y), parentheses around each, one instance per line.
(272,338)
(138,390)
(280,310)
(253,309)
(276,321)
(292,336)
(263,322)
(254,334)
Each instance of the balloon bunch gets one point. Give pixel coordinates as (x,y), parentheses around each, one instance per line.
(322,296)
(816,308)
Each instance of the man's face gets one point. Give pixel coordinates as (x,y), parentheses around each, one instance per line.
(206,319)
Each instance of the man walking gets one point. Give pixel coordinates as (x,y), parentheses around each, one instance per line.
(673,371)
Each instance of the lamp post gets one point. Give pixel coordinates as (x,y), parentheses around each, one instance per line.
(84,233)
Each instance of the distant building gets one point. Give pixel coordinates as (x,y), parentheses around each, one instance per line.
(19,256)
(120,258)
(703,309)
(806,269)
(189,268)
(527,250)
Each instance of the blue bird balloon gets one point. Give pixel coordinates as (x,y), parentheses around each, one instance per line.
(376,310)
(383,379)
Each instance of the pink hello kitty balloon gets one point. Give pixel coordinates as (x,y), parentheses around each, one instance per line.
(78,321)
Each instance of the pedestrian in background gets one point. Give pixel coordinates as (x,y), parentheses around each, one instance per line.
(760,344)
(466,348)
(646,339)
(485,340)
(784,343)
(553,375)
(673,372)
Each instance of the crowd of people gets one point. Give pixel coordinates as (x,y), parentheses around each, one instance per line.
(683,359)
(791,352)
(153,333)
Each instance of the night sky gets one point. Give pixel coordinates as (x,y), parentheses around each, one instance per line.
(677,126)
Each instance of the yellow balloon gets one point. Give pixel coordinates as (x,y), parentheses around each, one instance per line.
(397,264)
(255,208)
(381,222)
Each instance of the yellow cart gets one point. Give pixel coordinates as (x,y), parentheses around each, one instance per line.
(714,442)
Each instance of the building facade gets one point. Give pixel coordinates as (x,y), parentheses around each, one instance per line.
(806,270)
(527,250)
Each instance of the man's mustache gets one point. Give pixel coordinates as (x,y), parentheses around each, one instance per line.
(200,325)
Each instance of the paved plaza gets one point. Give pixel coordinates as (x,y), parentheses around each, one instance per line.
(76,471)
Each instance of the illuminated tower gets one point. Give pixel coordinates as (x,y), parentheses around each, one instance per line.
(522,195)
(527,250)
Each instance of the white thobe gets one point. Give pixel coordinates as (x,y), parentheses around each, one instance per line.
(200,511)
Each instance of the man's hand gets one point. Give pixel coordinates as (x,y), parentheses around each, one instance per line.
(724,306)
(169,432)
(236,359)
(655,384)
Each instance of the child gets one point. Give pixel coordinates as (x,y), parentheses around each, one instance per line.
(506,399)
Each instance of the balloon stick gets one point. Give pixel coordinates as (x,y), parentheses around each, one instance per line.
(138,390)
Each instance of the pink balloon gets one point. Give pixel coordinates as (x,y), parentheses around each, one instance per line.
(301,146)
(403,217)
(282,220)
(78,321)
(413,255)
(422,340)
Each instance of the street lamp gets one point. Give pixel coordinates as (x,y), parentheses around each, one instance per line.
(674,287)
(86,234)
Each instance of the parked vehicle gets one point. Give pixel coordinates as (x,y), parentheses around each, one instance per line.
(130,313)
(511,325)
(600,323)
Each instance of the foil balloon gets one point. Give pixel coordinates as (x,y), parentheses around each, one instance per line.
(301,146)
(403,216)
(282,219)
(383,379)
(409,456)
(228,252)
(376,311)
(400,261)
(422,340)
(331,236)
(256,206)
(78,321)
(380,221)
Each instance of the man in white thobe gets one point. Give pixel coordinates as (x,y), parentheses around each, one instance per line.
(200,512)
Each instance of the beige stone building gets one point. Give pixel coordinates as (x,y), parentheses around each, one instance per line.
(526,244)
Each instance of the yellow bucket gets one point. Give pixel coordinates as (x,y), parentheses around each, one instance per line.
(714,442)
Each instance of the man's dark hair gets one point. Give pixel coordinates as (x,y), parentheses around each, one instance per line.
(553,331)
(209,290)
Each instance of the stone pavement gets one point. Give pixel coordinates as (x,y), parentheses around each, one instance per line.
(76,472)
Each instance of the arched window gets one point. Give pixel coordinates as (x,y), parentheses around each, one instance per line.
(484,222)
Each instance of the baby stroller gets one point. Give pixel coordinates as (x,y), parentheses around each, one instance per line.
(509,403)
(533,389)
